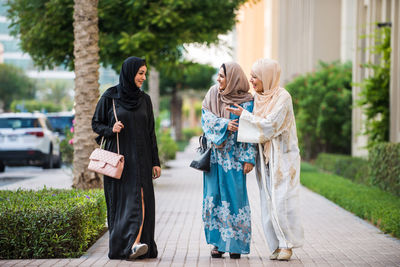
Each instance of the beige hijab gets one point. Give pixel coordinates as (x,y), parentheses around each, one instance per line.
(236,91)
(269,72)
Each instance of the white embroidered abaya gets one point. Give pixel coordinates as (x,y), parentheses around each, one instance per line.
(278,164)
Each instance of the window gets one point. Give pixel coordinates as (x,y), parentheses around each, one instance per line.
(17,123)
(48,125)
(61,123)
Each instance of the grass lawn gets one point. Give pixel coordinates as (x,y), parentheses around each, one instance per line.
(370,203)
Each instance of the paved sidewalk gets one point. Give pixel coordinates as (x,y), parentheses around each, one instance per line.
(333,236)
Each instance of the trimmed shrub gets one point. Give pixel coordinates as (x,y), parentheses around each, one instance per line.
(322,103)
(354,168)
(50,223)
(188,133)
(371,203)
(384,161)
(167,147)
(34,105)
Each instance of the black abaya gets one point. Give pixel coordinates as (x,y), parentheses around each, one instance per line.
(138,144)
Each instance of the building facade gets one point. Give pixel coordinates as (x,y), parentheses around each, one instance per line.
(364,16)
(300,33)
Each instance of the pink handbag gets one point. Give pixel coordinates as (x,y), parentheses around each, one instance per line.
(106,162)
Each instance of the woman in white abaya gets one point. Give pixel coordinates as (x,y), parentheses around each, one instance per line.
(272,125)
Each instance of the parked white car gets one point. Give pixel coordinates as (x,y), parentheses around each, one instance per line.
(28,139)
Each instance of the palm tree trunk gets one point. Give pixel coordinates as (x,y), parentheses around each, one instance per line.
(86,53)
(176,111)
(154,90)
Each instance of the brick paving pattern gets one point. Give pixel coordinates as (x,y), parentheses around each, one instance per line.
(333,236)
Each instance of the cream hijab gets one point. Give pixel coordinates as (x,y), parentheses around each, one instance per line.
(269,72)
(236,91)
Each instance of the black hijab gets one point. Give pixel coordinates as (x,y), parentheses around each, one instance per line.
(128,94)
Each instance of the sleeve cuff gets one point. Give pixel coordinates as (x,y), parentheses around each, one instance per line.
(246,115)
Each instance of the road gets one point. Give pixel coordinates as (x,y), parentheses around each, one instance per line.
(35,178)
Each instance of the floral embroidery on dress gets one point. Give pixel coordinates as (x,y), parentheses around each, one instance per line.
(247,105)
(240,152)
(231,226)
(213,126)
(232,155)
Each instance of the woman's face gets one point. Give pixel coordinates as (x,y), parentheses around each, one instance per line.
(257,83)
(140,76)
(221,79)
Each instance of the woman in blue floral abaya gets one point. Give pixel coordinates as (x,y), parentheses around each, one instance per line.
(226,210)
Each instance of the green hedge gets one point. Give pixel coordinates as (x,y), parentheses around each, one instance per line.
(384,161)
(354,168)
(188,133)
(167,147)
(322,103)
(34,105)
(50,223)
(370,203)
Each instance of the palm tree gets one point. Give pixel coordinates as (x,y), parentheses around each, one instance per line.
(86,56)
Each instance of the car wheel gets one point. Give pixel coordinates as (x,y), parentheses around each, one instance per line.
(49,161)
(2,167)
(58,162)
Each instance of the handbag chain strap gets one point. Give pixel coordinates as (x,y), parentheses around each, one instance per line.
(116,119)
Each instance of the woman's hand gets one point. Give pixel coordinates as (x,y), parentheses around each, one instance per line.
(118,126)
(247,167)
(237,111)
(156,172)
(233,125)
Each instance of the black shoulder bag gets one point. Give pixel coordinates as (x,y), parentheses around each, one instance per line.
(202,162)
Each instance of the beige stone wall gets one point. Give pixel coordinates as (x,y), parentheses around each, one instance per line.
(395,72)
(250,34)
(309,31)
(359,141)
(348,30)
(326,30)
(297,33)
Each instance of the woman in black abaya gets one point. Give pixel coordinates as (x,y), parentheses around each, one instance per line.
(130,200)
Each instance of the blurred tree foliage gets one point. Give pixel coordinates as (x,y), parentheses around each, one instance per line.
(187,75)
(152,29)
(14,84)
(167,147)
(32,105)
(57,91)
(374,96)
(322,102)
(182,76)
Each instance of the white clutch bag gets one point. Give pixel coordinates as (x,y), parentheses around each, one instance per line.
(248,132)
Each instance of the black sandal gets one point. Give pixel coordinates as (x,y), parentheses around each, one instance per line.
(215,253)
(234,255)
